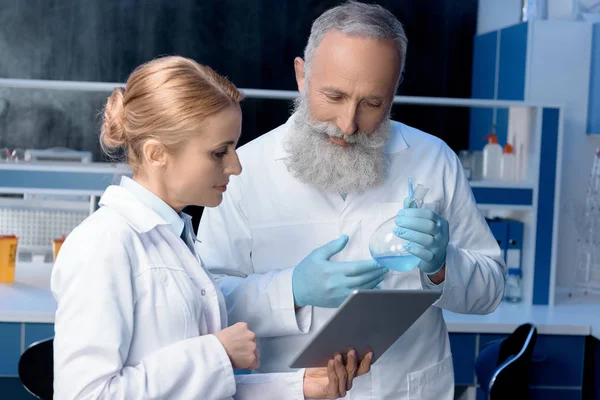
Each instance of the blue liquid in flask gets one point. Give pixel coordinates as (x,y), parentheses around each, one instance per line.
(398,263)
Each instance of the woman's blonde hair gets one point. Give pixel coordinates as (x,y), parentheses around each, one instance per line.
(165,99)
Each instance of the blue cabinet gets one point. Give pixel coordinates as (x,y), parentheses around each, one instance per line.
(464,350)
(499,73)
(15,337)
(13,389)
(593,125)
(483,86)
(36,332)
(10,347)
(511,63)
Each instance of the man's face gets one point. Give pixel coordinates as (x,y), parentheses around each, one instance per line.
(341,121)
(352,82)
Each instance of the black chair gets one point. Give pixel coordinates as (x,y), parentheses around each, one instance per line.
(502,367)
(36,369)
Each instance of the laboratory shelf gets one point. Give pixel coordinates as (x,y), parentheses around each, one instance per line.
(60,178)
(92,179)
(502,184)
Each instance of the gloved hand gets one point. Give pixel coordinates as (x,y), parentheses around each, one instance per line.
(427,233)
(319,282)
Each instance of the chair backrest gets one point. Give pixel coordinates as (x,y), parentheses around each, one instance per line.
(36,368)
(511,377)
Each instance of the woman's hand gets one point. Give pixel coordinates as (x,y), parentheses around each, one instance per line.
(335,380)
(240,344)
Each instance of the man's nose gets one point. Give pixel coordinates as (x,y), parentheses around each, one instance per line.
(347,120)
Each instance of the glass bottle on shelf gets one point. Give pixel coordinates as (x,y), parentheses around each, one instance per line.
(513,290)
(466,159)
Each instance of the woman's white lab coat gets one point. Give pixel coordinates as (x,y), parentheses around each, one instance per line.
(136,313)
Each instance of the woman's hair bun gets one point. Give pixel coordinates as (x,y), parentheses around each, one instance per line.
(113,135)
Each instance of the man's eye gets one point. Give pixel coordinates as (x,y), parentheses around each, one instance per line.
(334,98)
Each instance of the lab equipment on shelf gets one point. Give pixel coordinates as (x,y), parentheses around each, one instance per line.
(13,155)
(508,165)
(513,289)
(587,267)
(492,157)
(466,159)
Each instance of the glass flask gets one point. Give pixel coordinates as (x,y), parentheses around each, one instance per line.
(387,248)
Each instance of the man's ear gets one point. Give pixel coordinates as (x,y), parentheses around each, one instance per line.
(299,69)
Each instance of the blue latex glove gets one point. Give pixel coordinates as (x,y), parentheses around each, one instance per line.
(427,233)
(319,282)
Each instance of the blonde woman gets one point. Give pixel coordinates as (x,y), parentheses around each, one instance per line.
(138,316)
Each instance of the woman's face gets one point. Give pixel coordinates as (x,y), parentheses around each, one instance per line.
(198,174)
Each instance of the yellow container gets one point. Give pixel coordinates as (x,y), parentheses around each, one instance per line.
(56,245)
(8,258)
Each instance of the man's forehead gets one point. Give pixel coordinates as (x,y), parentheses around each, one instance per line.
(346,61)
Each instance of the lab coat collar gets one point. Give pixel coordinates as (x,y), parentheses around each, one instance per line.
(396,143)
(139,216)
(155,203)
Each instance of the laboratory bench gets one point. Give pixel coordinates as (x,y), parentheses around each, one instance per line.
(565,365)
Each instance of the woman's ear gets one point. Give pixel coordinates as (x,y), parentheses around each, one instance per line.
(154,153)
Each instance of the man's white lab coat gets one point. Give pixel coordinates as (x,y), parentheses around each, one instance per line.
(136,313)
(269,221)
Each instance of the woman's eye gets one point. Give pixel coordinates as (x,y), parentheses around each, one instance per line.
(220,154)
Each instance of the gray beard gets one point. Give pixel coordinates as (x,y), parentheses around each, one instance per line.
(315,160)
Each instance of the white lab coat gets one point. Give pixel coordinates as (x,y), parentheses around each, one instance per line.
(136,313)
(269,221)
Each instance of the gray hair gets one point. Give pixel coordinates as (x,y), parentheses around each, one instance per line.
(358,19)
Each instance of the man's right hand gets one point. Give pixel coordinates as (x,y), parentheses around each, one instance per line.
(319,282)
(336,379)
(240,344)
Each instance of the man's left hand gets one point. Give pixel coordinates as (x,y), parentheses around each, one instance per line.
(427,234)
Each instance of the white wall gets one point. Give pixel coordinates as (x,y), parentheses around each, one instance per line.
(497,14)
(568,83)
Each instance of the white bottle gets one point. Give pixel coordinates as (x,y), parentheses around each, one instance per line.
(512,288)
(492,157)
(508,165)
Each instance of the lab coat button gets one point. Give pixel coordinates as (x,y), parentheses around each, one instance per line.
(203,292)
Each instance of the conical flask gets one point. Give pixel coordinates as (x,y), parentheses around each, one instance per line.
(387,248)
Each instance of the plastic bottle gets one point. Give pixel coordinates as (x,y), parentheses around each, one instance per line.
(492,157)
(508,165)
(512,290)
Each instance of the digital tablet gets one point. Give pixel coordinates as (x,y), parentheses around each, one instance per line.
(368,320)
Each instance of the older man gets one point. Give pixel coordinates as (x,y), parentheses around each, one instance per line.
(340,166)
